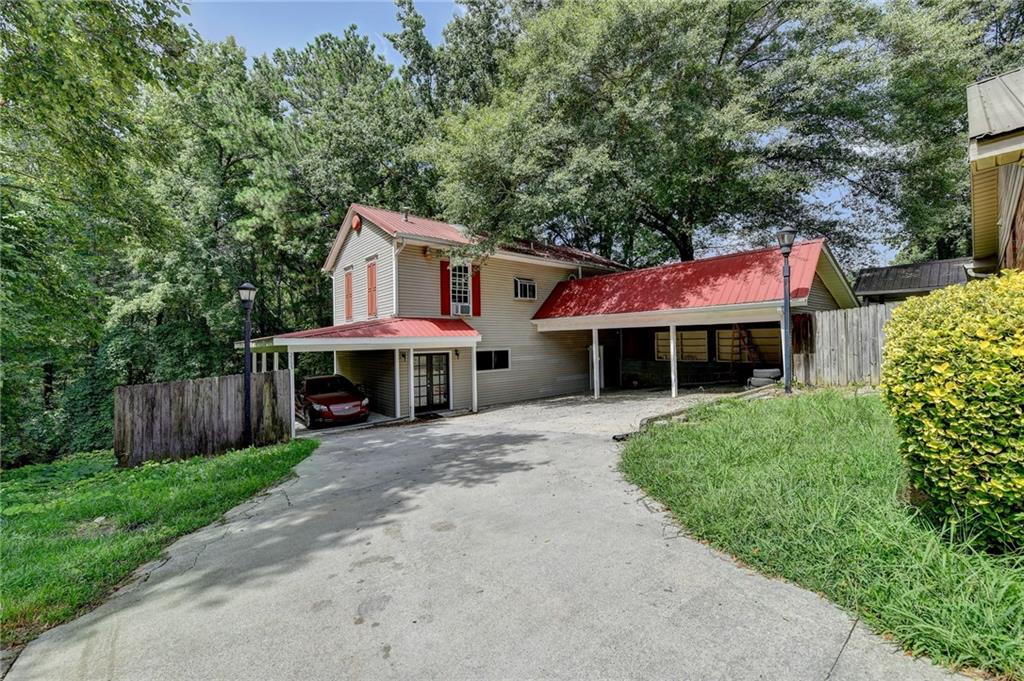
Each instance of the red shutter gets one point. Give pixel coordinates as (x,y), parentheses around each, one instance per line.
(371,289)
(348,295)
(446,289)
(476,292)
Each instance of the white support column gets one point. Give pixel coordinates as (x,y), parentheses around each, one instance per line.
(398,386)
(412,388)
(473,369)
(263,362)
(672,360)
(277,361)
(595,351)
(291,388)
(334,356)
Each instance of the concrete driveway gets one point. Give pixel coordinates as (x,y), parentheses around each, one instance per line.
(503,545)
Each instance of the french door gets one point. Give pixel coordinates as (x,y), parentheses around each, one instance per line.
(431,382)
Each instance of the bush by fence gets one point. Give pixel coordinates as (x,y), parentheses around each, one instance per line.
(953,378)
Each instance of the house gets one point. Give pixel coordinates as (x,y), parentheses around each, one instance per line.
(995,113)
(424,329)
(899,282)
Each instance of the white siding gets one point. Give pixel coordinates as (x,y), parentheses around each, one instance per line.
(375,370)
(819,297)
(358,247)
(542,364)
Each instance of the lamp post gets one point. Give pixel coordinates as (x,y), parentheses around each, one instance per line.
(786,236)
(247,293)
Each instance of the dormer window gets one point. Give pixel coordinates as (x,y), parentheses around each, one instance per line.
(460,287)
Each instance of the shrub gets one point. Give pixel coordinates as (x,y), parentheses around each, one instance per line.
(953,378)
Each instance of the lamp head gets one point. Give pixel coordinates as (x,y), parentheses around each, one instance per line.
(247,293)
(786,236)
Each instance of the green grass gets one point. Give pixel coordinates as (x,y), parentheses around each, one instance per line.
(811,489)
(73,529)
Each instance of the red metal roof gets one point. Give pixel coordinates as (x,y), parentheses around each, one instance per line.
(395,223)
(390,327)
(739,278)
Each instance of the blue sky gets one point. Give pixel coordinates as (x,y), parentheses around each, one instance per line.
(261,27)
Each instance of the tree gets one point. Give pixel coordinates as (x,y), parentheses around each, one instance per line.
(71,195)
(934,51)
(680,120)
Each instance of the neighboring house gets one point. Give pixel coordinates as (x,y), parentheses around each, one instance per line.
(424,329)
(899,282)
(995,111)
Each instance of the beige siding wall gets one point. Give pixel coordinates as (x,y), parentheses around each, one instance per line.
(542,364)
(375,370)
(819,297)
(358,249)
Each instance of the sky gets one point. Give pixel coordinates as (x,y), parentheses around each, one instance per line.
(261,27)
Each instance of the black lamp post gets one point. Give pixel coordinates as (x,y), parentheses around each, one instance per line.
(247,293)
(786,236)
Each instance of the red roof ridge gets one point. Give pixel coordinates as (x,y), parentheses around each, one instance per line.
(722,256)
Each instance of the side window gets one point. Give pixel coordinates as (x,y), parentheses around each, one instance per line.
(460,290)
(493,360)
(524,289)
(691,346)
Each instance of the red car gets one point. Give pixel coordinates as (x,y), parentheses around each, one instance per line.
(322,400)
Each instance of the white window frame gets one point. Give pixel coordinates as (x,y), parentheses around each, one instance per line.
(521,282)
(466,289)
(488,371)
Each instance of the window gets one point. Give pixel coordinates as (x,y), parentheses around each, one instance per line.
(525,289)
(493,360)
(460,286)
(371,288)
(348,295)
(691,346)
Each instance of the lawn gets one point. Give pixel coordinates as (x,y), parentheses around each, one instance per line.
(812,489)
(73,529)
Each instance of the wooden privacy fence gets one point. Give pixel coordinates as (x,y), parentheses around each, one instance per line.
(843,346)
(159,421)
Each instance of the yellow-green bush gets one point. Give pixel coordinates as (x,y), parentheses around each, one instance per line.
(953,378)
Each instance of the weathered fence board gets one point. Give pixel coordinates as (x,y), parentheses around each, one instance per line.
(159,421)
(846,348)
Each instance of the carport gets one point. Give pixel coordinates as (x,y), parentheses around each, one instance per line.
(708,318)
(393,359)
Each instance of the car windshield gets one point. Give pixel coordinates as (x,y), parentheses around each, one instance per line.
(328,384)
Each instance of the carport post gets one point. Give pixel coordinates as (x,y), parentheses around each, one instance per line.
(473,370)
(596,352)
(398,387)
(412,389)
(672,359)
(291,388)
(277,357)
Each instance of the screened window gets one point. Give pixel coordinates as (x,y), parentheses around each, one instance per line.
(525,289)
(691,346)
(492,360)
(460,285)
